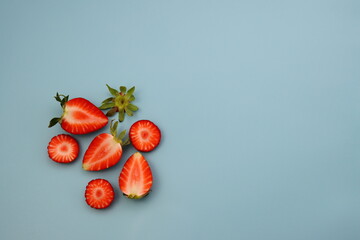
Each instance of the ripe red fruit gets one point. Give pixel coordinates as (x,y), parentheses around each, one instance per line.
(79,116)
(99,193)
(135,179)
(63,148)
(105,150)
(145,135)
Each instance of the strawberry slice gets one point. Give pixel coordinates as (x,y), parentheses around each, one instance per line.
(145,135)
(79,116)
(99,193)
(63,148)
(105,150)
(135,179)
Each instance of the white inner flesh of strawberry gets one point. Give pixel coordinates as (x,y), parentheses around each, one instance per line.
(74,114)
(135,182)
(107,148)
(64,150)
(146,137)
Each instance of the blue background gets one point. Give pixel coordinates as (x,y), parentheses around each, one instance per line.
(258,102)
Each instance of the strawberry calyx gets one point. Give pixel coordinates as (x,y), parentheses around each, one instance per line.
(120,102)
(120,138)
(134,196)
(63,100)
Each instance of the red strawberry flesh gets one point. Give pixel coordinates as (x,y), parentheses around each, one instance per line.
(81,116)
(135,179)
(99,193)
(103,152)
(63,148)
(144,135)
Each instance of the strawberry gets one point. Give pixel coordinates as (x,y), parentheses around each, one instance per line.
(99,193)
(120,102)
(63,148)
(105,150)
(135,179)
(79,116)
(144,135)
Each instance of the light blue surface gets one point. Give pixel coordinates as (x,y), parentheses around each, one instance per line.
(258,102)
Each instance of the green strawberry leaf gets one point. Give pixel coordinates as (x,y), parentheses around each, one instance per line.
(113,128)
(130,92)
(122,135)
(132,107)
(107,105)
(57,97)
(128,112)
(121,115)
(113,91)
(110,99)
(54,121)
(123,89)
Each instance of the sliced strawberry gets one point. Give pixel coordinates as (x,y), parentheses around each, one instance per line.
(79,116)
(63,148)
(135,179)
(144,135)
(99,193)
(104,151)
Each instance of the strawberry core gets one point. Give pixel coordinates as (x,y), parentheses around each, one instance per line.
(144,134)
(64,148)
(98,193)
(79,115)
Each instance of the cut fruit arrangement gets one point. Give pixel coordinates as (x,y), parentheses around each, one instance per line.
(80,116)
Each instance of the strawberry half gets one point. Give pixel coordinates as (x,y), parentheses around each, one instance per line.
(79,116)
(105,150)
(63,148)
(99,193)
(135,179)
(144,135)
